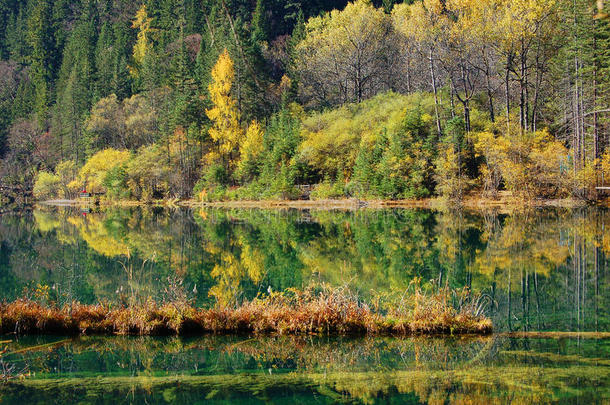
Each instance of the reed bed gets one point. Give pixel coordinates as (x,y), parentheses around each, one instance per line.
(314,310)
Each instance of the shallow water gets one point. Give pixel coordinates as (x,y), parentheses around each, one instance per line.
(287,370)
(541,270)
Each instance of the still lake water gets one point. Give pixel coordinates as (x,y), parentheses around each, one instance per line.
(544,270)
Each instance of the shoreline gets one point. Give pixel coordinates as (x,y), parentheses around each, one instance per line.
(472,202)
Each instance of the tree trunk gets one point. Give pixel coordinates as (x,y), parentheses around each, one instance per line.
(492,114)
(596,151)
(507,92)
(436,106)
(466,101)
(522,117)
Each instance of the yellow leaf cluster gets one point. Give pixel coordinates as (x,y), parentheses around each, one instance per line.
(93,173)
(142,46)
(252,145)
(531,164)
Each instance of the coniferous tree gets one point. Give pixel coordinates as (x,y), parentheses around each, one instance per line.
(260,24)
(8,9)
(104,62)
(43,56)
(16,41)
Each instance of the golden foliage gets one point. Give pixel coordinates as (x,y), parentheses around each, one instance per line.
(93,173)
(225,131)
(532,164)
(143,44)
(251,147)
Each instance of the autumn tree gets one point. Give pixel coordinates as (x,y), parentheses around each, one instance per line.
(226,131)
(424,23)
(346,55)
(144,68)
(250,150)
(230,140)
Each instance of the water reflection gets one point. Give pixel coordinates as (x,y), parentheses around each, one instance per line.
(545,269)
(288,369)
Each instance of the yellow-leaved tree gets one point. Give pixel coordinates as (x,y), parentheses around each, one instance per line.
(531,164)
(234,146)
(422,24)
(345,54)
(250,150)
(225,131)
(142,22)
(92,175)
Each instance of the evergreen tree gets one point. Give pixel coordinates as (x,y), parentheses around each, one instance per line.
(8,9)
(104,62)
(122,82)
(16,42)
(260,24)
(75,84)
(43,56)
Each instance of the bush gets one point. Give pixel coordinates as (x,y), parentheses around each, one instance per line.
(46,186)
(328,189)
(93,174)
(530,164)
(148,174)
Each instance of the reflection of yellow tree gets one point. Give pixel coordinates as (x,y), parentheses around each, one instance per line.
(45,221)
(526,244)
(93,231)
(241,263)
(153,243)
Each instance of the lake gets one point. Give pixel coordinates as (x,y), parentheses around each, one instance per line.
(540,270)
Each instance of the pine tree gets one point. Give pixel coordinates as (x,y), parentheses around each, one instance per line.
(121,78)
(43,56)
(260,23)
(16,42)
(104,62)
(193,13)
(8,9)
(186,109)
(122,83)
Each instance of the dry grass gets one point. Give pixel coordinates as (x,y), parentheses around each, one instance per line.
(314,310)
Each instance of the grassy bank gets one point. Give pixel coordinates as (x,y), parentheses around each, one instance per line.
(319,310)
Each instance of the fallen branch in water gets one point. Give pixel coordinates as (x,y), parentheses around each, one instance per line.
(325,310)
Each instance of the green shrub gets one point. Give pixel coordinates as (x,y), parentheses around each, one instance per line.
(328,189)
(47,185)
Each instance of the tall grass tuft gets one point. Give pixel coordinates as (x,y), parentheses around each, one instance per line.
(318,309)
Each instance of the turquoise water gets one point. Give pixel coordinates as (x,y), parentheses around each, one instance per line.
(541,270)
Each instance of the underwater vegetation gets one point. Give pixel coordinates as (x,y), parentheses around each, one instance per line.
(477,385)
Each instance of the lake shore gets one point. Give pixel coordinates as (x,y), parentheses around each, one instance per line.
(503,201)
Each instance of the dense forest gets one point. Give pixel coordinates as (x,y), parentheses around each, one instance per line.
(252,99)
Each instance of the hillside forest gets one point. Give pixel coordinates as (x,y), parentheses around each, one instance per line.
(254,99)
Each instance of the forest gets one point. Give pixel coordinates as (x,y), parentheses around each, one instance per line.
(257,99)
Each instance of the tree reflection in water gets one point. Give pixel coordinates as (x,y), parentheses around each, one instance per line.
(544,269)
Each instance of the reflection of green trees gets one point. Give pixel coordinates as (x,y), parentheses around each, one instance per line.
(545,268)
(370,370)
